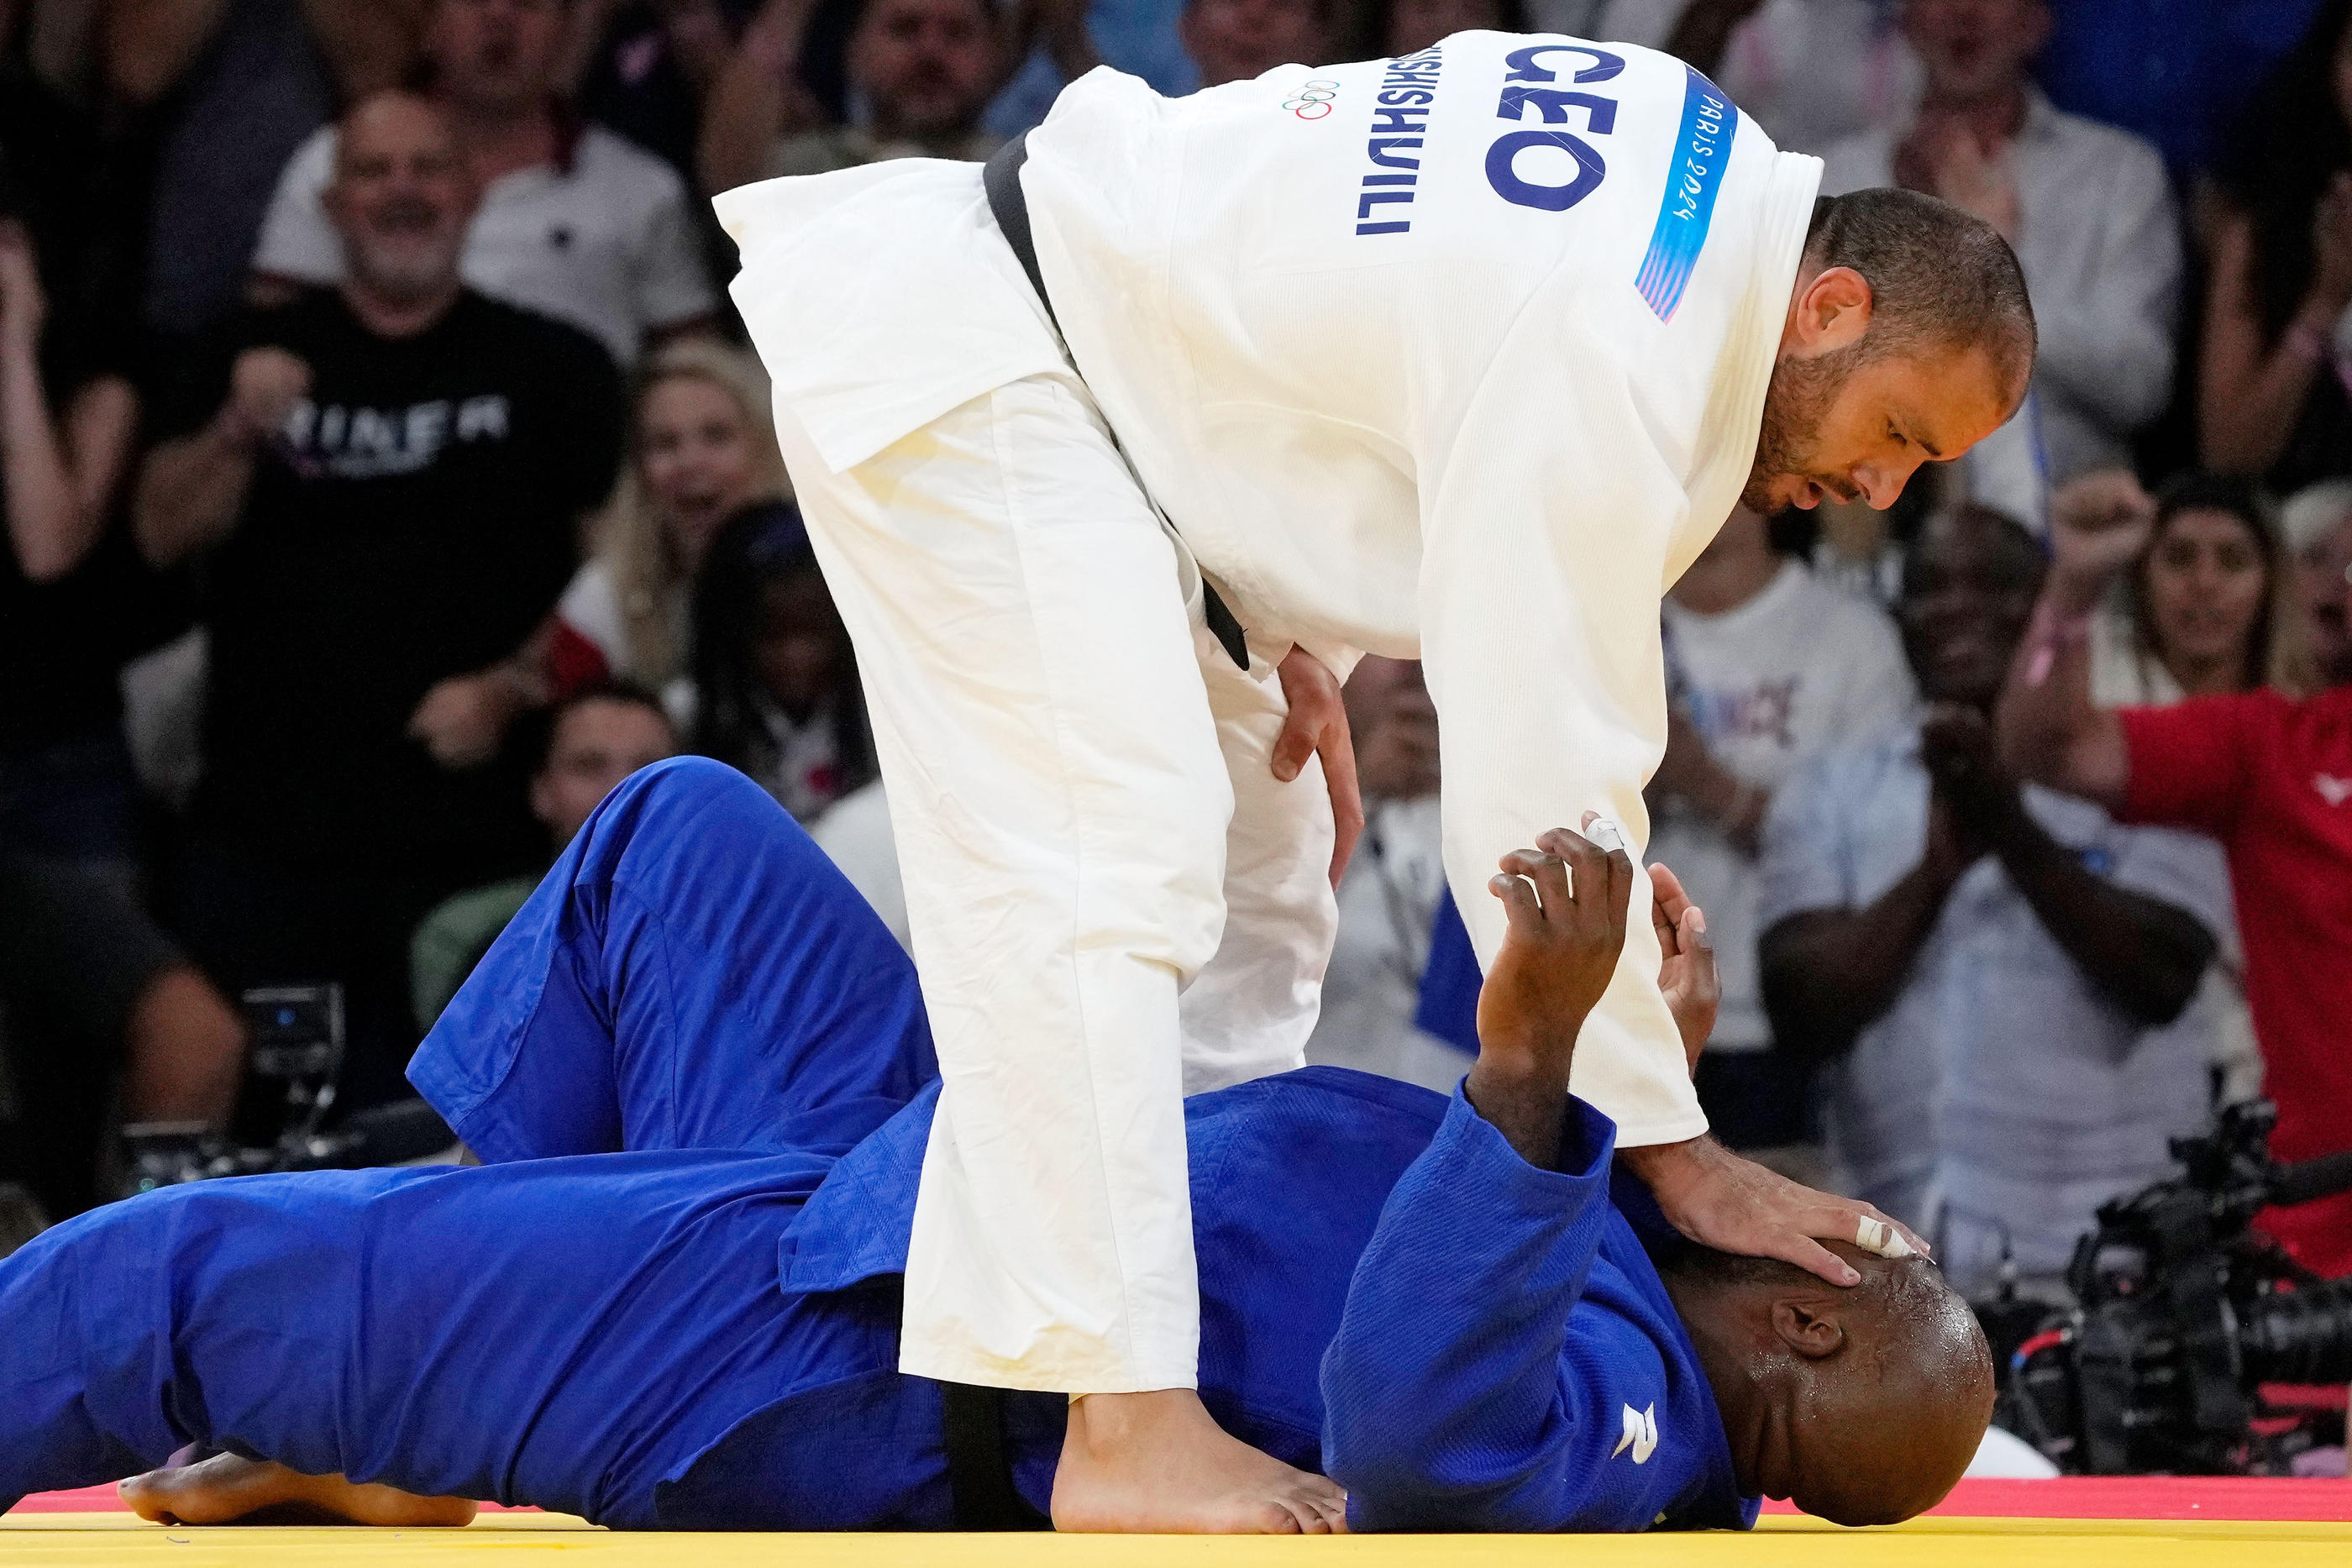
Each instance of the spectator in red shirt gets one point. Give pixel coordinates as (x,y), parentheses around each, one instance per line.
(2267,774)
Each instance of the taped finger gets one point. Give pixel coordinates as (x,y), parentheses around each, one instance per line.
(1878,1236)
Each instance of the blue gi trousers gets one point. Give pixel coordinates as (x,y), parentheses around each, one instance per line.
(693,975)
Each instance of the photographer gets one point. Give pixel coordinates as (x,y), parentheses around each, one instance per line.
(384,480)
(1998,977)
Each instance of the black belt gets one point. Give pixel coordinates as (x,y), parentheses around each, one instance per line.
(1001,178)
(980,1468)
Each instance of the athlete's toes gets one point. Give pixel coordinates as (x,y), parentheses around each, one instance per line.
(149,1495)
(225,1487)
(1277,1517)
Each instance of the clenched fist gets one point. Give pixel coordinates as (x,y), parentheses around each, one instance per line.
(264,386)
(2098,525)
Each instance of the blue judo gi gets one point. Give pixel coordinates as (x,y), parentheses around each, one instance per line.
(699,1071)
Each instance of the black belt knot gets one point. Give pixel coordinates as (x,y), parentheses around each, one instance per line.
(980,1465)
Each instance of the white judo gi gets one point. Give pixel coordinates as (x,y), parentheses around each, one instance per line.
(1459,356)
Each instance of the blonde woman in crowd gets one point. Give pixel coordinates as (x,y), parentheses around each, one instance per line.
(701,450)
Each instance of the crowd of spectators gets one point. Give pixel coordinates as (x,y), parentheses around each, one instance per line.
(384,480)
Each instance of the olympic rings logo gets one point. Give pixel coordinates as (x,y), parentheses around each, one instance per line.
(1312,101)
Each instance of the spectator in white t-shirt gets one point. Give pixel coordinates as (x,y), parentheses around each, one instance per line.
(702,449)
(2089,209)
(1388,896)
(854,833)
(1769,668)
(1811,72)
(576,222)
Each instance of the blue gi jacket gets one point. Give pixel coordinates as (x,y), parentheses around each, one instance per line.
(692,1335)
(1495,1351)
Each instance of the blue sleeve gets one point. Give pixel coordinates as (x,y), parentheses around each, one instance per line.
(1448,1006)
(1458,1396)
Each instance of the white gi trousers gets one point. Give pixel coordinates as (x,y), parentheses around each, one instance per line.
(1113,902)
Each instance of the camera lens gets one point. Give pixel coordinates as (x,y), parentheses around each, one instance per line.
(2300,1336)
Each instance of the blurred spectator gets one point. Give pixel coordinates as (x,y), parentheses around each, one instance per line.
(923,71)
(1858,550)
(236,84)
(2267,774)
(387,479)
(2304,521)
(2200,606)
(775,684)
(1395,28)
(1234,40)
(1137,37)
(652,66)
(584,746)
(1769,669)
(1812,72)
(2278,316)
(67,420)
(2178,73)
(50,156)
(702,447)
(2204,613)
(854,833)
(2088,208)
(1997,977)
(89,989)
(1389,898)
(574,222)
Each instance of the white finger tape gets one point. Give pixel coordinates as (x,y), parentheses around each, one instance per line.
(1605,835)
(1877,1236)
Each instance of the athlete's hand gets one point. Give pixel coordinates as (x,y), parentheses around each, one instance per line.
(1687,971)
(1734,1205)
(1317,726)
(1564,904)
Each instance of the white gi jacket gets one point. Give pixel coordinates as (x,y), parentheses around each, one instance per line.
(1460,356)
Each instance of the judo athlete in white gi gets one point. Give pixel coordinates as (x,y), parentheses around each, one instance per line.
(1460,356)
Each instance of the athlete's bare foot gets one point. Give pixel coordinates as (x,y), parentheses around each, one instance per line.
(228,1490)
(1159,1463)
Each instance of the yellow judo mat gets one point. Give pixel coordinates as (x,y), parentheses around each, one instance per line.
(82,1540)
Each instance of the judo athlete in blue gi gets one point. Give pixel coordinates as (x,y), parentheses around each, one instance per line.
(699,1071)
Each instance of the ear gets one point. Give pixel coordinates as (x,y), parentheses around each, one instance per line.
(1830,312)
(1806,1329)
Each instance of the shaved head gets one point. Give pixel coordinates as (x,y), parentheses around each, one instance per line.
(1861,1405)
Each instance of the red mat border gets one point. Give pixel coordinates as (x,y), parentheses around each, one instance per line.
(2133,1497)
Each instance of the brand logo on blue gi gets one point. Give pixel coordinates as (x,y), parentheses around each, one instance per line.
(1312,101)
(1640,1433)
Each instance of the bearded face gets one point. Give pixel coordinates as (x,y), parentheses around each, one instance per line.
(1788,448)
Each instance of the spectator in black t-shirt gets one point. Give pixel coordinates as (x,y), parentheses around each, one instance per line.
(68,416)
(386,479)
